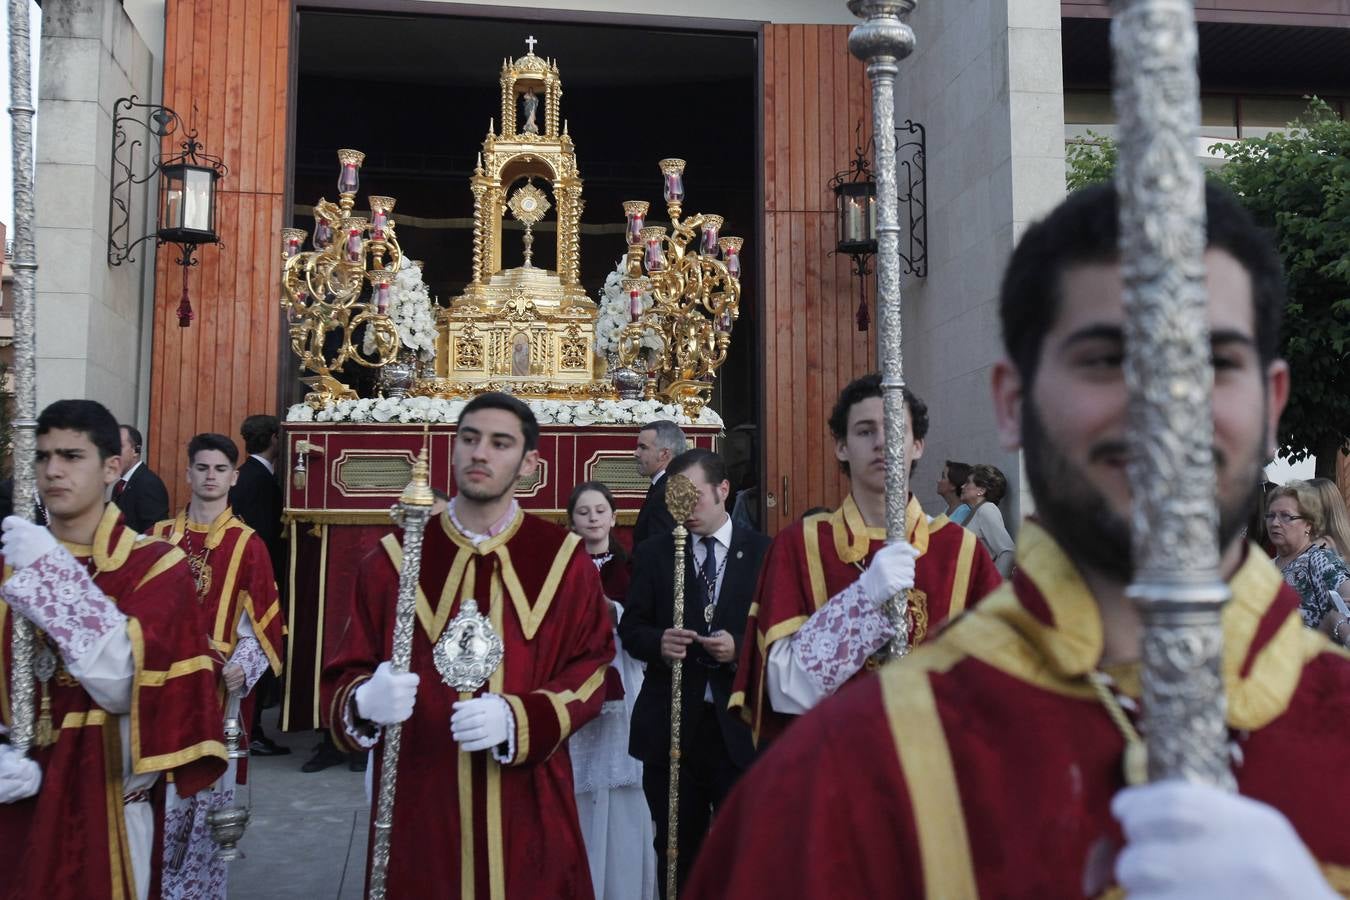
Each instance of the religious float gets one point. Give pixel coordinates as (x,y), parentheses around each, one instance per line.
(592,373)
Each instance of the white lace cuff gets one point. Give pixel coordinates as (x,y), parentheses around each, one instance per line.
(364,736)
(248,655)
(56,594)
(510,752)
(836,640)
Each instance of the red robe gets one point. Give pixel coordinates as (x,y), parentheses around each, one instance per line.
(816,558)
(69,842)
(539,589)
(984,765)
(240,583)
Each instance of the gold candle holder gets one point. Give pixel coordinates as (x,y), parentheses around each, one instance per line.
(654,259)
(673,170)
(731,254)
(349,178)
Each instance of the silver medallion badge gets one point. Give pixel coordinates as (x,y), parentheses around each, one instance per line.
(469,650)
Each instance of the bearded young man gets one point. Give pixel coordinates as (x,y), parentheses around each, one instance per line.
(990,762)
(818,619)
(237,599)
(484,805)
(115,613)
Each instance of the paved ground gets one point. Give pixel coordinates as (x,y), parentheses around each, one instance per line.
(307,836)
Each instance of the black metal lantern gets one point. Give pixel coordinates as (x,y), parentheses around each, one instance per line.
(857,206)
(187,191)
(855,197)
(187,212)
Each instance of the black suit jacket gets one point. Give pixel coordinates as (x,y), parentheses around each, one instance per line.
(144,501)
(650,610)
(653,518)
(256,499)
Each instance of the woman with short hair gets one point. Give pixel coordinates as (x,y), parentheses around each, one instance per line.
(982,491)
(1296,520)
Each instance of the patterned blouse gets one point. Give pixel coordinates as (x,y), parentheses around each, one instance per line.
(1313,573)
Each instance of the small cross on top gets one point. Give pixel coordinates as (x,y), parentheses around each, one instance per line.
(530,41)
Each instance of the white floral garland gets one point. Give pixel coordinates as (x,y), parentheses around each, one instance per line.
(616,313)
(548,412)
(412,312)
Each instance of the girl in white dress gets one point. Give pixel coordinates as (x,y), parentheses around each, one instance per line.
(615,821)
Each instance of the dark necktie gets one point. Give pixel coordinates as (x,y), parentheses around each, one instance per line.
(708,576)
(119,488)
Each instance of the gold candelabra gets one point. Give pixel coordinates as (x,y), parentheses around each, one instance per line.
(324,289)
(693,276)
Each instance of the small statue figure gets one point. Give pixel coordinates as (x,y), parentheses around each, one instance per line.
(530,100)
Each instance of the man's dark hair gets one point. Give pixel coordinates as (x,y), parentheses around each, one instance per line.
(1084,230)
(957,473)
(529,425)
(258,431)
(864,388)
(993,481)
(713,465)
(211,441)
(133,435)
(88,417)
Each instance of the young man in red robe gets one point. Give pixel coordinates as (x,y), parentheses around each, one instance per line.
(124,679)
(484,803)
(238,599)
(992,762)
(818,619)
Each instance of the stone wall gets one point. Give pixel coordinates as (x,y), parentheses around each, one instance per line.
(985,81)
(90,314)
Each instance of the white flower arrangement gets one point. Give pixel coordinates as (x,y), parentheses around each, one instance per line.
(412,312)
(548,412)
(616,314)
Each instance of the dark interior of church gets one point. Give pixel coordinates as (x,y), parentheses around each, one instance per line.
(416,94)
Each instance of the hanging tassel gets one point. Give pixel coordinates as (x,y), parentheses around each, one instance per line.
(43,734)
(863,318)
(185,306)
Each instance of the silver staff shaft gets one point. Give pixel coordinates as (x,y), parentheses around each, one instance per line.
(881,42)
(412,512)
(1167,370)
(21,684)
(676,708)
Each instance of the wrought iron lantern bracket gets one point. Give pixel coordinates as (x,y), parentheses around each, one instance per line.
(159,122)
(912,167)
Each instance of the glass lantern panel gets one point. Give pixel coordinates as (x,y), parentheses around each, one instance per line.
(197,185)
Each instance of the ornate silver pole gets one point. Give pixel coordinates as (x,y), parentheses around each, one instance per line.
(25,347)
(411,513)
(881,42)
(1167,370)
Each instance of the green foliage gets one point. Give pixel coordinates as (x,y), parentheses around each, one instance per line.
(1089,160)
(1298,185)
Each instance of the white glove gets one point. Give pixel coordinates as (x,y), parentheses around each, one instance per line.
(20,777)
(481,723)
(388,696)
(25,542)
(1187,841)
(891,571)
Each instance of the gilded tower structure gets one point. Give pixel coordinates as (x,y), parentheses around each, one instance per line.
(518,327)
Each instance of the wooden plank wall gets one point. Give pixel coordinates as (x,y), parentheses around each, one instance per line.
(815,94)
(229,59)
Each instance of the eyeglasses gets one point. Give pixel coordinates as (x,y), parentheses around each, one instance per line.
(1282,518)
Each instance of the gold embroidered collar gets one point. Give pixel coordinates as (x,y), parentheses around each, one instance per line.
(852,536)
(107,554)
(1071,644)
